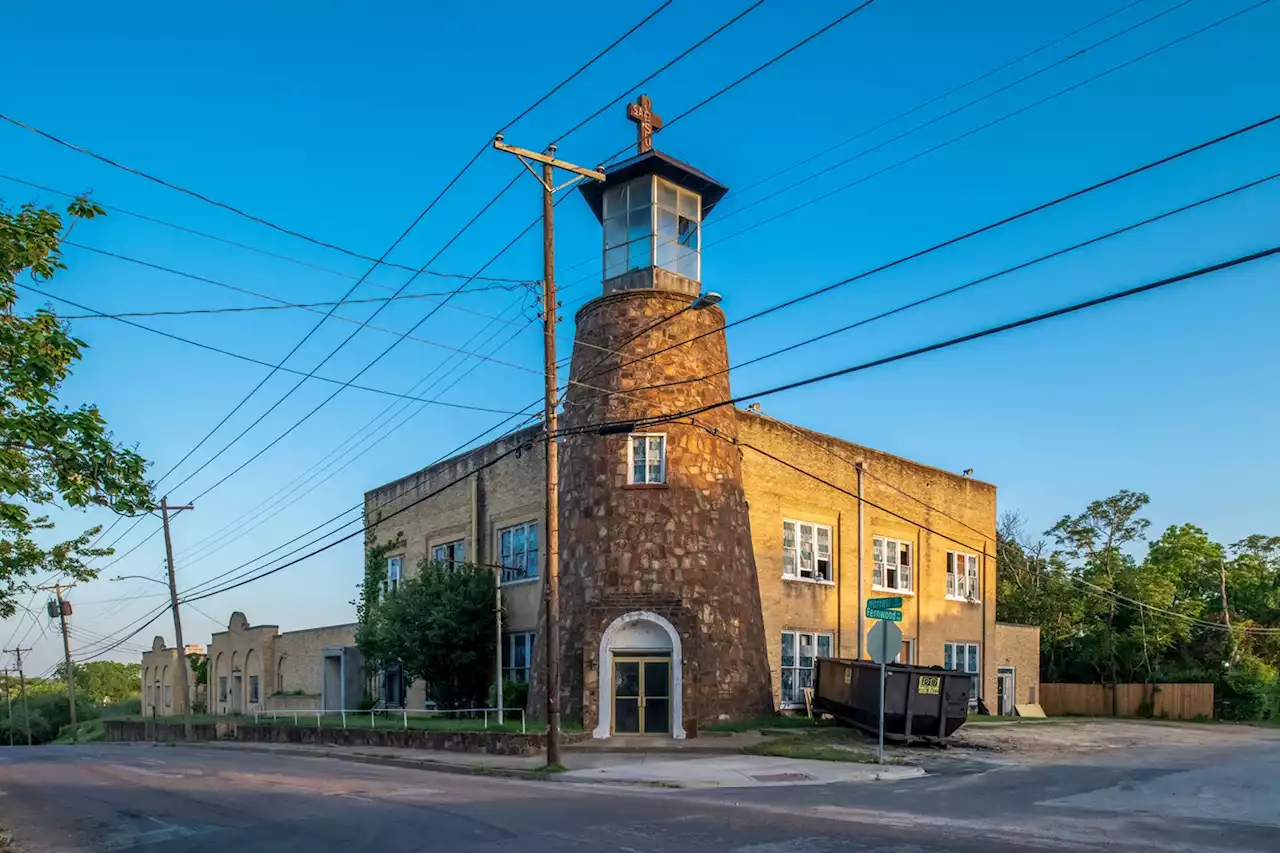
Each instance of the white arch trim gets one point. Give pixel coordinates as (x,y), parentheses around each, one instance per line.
(604,665)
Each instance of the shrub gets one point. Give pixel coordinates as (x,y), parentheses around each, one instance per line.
(1251,692)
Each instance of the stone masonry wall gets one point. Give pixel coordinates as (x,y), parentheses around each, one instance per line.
(682,549)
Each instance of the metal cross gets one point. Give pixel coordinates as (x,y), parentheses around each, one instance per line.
(647,121)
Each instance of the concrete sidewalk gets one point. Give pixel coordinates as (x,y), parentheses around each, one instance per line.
(634,766)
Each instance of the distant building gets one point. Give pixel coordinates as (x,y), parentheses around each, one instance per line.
(257,668)
(162,680)
(706,561)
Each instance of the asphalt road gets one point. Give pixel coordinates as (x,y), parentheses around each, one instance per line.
(116,797)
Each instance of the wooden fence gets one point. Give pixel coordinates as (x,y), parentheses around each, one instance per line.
(1163,701)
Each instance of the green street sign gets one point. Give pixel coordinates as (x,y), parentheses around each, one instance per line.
(884,603)
(886,615)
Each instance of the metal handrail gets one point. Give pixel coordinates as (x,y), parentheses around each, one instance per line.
(373,713)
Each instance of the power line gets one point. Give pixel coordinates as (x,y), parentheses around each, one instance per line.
(259,250)
(973,282)
(970,234)
(253,360)
(973,336)
(982,98)
(931,101)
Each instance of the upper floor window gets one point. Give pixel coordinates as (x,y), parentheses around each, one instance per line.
(962,576)
(647,459)
(450,553)
(650,222)
(892,567)
(394,569)
(518,550)
(806,550)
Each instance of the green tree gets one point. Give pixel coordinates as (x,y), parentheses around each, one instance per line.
(49,453)
(438,625)
(199,667)
(105,682)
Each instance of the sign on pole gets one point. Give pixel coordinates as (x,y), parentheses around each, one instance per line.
(887,603)
(886,615)
(884,642)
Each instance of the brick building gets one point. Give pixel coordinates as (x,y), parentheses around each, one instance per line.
(703,569)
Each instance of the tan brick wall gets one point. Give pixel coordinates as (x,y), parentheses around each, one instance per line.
(1018,646)
(475,509)
(299,657)
(930,619)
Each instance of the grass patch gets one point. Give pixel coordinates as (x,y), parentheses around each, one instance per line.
(553,768)
(87,732)
(770,721)
(830,745)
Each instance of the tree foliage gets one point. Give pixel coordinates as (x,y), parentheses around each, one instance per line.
(1110,613)
(438,625)
(104,682)
(49,453)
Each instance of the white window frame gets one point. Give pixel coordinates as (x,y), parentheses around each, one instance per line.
(395,573)
(631,462)
(882,546)
(972,664)
(796,700)
(795,571)
(530,567)
(509,644)
(450,562)
(911,652)
(963,586)
(644,197)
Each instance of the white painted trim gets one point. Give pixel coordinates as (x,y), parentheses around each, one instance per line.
(604,665)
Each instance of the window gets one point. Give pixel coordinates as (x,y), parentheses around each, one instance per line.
(253,688)
(799,651)
(806,551)
(678,233)
(518,550)
(651,222)
(964,657)
(222,688)
(517,656)
(962,576)
(647,459)
(394,566)
(892,567)
(450,553)
(168,695)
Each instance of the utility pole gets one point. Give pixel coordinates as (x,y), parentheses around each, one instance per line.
(184,677)
(66,652)
(22,691)
(549,308)
(8,701)
(1226,614)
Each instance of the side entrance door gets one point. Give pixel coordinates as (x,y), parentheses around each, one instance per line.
(1005,680)
(642,696)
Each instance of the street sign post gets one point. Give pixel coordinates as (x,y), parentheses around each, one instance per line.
(884,641)
(887,603)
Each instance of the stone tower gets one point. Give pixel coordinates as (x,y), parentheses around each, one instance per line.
(660,605)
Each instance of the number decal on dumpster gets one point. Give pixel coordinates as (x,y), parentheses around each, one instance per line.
(930,684)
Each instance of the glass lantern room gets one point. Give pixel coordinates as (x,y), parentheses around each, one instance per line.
(652,222)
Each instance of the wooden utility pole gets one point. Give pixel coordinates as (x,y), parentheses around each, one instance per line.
(22,691)
(184,682)
(8,702)
(66,652)
(549,308)
(1226,614)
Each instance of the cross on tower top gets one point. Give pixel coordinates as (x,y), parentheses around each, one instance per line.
(647,121)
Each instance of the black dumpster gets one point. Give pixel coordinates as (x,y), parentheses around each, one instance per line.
(921,703)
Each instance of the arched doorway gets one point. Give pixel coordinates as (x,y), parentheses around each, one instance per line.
(641,688)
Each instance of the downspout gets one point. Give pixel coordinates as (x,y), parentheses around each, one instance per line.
(839,579)
(861,573)
(982,679)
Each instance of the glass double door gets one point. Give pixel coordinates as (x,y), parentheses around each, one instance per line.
(642,696)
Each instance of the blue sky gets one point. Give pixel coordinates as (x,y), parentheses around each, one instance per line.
(343,124)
